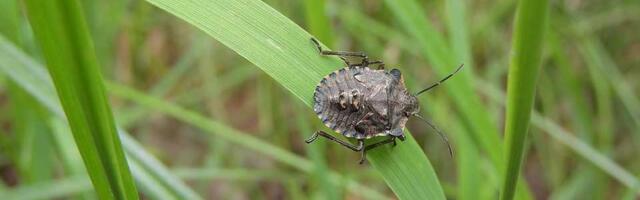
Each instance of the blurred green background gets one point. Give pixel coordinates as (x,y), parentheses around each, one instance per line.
(176,91)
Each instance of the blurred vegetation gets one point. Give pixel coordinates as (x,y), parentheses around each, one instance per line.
(197,120)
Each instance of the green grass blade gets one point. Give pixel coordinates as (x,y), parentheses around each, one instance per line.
(146,162)
(10,20)
(53,189)
(283,50)
(32,146)
(65,147)
(603,118)
(318,21)
(469,176)
(63,36)
(530,26)
(606,66)
(145,180)
(67,151)
(574,186)
(571,82)
(175,75)
(457,26)
(208,174)
(33,78)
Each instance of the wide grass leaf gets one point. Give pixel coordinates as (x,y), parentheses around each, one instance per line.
(283,50)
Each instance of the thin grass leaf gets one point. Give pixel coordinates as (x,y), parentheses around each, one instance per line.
(283,50)
(318,21)
(484,25)
(176,74)
(571,81)
(603,119)
(615,79)
(625,12)
(67,151)
(50,190)
(146,162)
(145,181)
(10,17)
(530,26)
(574,187)
(32,77)
(237,174)
(363,29)
(469,176)
(63,36)
(32,146)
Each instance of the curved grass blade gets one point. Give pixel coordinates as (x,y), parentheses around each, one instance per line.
(62,33)
(283,50)
(530,26)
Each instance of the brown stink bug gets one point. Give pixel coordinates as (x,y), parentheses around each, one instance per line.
(360,102)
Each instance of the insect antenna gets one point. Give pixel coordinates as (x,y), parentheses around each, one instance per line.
(442,136)
(439,82)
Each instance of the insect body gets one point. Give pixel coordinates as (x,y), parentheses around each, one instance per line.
(360,102)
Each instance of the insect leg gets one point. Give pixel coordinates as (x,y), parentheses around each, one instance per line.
(379,63)
(377,144)
(383,142)
(345,61)
(366,64)
(330,137)
(363,152)
(338,53)
(342,54)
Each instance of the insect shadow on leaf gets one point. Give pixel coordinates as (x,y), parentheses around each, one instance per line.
(359,102)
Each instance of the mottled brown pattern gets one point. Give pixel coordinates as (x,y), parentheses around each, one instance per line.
(357,102)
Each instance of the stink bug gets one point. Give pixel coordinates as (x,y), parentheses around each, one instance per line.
(359,102)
